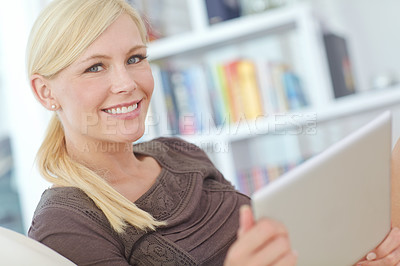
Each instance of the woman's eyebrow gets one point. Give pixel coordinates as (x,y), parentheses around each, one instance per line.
(137,47)
(101,56)
(95,56)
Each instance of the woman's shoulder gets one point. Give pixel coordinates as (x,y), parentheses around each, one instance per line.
(67,221)
(68,201)
(68,197)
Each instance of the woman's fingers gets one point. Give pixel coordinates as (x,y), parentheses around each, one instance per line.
(278,249)
(265,243)
(391,242)
(390,259)
(387,253)
(261,233)
(289,259)
(246,220)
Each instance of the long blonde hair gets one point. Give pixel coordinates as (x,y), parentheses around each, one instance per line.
(62,32)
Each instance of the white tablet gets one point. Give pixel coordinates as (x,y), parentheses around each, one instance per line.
(336,205)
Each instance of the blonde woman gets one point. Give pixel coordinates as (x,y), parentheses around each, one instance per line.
(114,203)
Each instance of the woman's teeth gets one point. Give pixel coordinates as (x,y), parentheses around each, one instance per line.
(122,110)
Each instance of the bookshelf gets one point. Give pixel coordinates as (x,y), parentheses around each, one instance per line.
(264,157)
(288,35)
(298,18)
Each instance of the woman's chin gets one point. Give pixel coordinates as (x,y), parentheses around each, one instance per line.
(132,135)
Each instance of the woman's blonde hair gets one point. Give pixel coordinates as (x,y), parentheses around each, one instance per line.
(62,32)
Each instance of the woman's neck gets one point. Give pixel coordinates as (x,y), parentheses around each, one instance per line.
(130,174)
(104,157)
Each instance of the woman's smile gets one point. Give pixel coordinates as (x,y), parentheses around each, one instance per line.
(124,111)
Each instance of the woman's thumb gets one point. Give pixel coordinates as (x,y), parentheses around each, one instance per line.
(246,219)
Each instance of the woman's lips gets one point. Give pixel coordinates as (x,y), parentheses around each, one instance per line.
(125,112)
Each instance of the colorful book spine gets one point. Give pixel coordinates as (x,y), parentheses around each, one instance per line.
(294,92)
(170,103)
(205,118)
(190,80)
(233,90)
(216,98)
(186,113)
(277,71)
(229,92)
(221,10)
(222,85)
(249,89)
(268,95)
(252,179)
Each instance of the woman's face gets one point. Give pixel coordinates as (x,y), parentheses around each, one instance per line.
(104,95)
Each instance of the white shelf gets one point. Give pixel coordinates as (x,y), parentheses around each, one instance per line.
(346,106)
(314,74)
(226,31)
(361,102)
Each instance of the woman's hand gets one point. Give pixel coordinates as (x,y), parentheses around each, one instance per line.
(387,253)
(263,243)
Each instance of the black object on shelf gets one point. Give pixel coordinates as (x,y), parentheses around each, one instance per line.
(339,65)
(222,10)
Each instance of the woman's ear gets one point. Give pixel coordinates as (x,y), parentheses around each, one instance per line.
(43,92)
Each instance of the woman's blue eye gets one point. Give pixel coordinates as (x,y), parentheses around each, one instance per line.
(133,60)
(136,59)
(95,68)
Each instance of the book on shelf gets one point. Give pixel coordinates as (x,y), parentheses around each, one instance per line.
(163,104)
(249,89)
(268,94)
(215,96)
(222,10)
(170,103)
(199,97)
(203,96)
(236,106)
(186,100)
(277,70)
(254,178)
(220,81)
(294,92)
(184,106)
(339,65)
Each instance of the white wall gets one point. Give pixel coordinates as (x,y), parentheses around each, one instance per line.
(371,27)
(26,119)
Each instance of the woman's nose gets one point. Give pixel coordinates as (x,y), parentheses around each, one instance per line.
(122,81)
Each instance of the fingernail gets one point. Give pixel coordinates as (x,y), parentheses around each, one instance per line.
(243,208)
(371,256)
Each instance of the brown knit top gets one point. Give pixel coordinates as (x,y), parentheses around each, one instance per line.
(199,205)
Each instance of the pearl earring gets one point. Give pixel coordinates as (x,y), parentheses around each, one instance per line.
(53,106)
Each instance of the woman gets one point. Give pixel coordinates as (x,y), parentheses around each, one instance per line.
(111,203)
(160,202)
